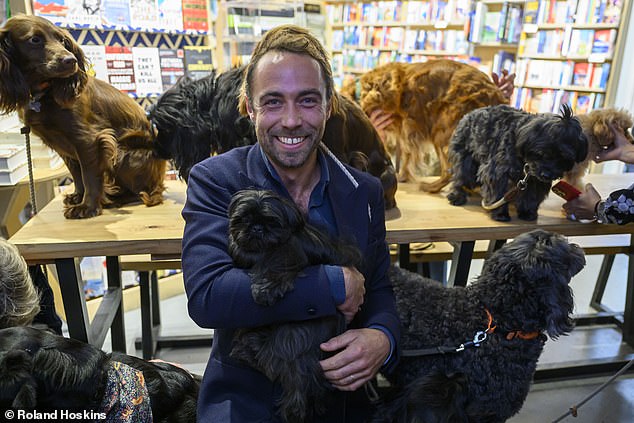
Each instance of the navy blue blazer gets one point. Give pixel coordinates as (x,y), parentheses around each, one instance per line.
(219,295)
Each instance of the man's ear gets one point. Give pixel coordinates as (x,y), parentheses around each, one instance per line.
(247,104)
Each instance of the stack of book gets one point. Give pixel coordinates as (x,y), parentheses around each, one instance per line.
(10,136)
(12,163)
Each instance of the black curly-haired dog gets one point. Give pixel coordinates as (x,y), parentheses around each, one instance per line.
(269,236)
(199,118)
(521,296)
(43,371)
(498,148)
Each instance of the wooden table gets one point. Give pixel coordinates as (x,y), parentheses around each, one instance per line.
(137,229)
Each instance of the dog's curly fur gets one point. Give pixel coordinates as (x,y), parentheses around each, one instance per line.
(102,135)
(269,236)
(525,287)
(596,127)
(43,371)
(199,118)
(426,101)
(493,146)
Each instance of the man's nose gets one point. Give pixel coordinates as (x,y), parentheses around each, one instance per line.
(293,116)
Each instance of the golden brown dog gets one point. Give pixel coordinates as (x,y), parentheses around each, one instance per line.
(102,134)
(427,100)
(597,129)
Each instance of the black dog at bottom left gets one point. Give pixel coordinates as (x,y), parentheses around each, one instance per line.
(43,371)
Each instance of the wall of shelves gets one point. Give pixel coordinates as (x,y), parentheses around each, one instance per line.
(561,50)
(567,53)
(139,47)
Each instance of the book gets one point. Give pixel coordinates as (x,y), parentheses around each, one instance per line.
(172,66)
(12,177)
(120,68)
(170,14)
(147,71)
(603,43)
(580,42)
(144,14)
(12,156)
(53,10)
(84,12)
(584,103)
(195,15)
(96,56)
(116,13)
(581,74)
(198,61)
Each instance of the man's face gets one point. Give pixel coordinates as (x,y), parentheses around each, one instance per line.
(289,107)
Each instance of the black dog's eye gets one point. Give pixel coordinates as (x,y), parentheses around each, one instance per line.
(36,40)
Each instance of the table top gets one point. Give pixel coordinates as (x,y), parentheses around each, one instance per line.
(158,230)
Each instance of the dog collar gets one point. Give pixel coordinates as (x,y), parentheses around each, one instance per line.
(512,334)
(34,103)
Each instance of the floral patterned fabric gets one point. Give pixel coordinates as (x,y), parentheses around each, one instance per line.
(126,399)
(618,207)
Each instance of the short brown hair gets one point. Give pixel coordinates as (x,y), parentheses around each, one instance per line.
(293,39)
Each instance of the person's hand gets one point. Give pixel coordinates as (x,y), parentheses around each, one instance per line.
(355,290)
(582,207)
(381,120)
(622,149)
(505,82)
(363,352)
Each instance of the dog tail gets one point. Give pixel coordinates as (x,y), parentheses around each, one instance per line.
(107,148)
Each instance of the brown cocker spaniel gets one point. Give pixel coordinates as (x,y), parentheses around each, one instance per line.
(102,134)
(426,100)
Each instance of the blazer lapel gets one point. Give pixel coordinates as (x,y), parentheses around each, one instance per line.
(344,192)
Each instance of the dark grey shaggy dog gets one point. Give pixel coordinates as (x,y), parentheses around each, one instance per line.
(43,371)
(495,147)
(524,287)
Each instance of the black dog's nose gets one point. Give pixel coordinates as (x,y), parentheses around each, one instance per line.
(257,229)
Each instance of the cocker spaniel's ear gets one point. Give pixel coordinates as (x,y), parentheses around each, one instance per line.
(65,91)
(14,91)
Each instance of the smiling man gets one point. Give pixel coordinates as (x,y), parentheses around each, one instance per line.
(288,94)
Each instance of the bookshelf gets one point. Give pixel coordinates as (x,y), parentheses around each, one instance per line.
(561,50)
(494,33)
(368,34)
(241,24)
(569,53)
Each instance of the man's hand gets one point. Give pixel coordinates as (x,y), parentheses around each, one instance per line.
(621,150)
(355,290)
(505,82)
(381,120)
(582,207)
(363,352)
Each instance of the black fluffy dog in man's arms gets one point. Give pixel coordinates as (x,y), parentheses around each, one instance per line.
(270,238)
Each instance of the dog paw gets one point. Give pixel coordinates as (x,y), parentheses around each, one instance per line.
(73,199)
(81,211)
(527,215)
(457,198)
(501,217)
